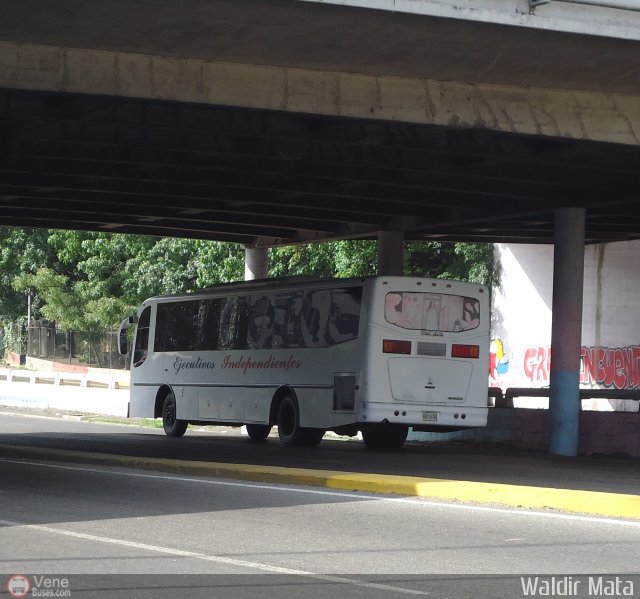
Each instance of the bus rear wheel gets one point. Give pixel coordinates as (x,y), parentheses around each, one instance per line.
(258,432)
(171,425)
(385,436)
(289,429)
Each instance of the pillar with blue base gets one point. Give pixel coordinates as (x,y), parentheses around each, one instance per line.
(566,331)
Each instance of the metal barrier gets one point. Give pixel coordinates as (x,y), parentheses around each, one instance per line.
(500,399)
(64,378)
(505,400)
(45,341)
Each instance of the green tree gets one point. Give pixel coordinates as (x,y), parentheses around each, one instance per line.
(21,251)
(90,280)
(460,261)
(58,301)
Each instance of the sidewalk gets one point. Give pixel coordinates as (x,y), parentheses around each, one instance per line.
(99,393)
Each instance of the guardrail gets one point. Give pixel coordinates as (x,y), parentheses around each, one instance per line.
(505,399)
(501,399)
(63,378)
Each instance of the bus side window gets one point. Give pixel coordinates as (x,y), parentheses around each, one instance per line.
(181,326)
(141,348)
(226,319)
(234,323)
(344,317)
(209,325)
(260,322)
(241,324)
(316,307)
(287,331)
(162,322)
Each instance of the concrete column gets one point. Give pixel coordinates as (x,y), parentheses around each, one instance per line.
(256,263)
(566,330)
(391,253)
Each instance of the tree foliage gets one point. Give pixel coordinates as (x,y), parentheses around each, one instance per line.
(90,281)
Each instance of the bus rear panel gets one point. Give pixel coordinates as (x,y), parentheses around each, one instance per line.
(427,354)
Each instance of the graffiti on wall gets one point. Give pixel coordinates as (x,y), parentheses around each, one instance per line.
(498,360)
(614,367)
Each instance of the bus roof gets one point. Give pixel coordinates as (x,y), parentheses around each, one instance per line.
(294,282)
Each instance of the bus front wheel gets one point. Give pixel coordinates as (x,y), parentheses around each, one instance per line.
(172,426)
(289,429)
(258,432)
(385,436)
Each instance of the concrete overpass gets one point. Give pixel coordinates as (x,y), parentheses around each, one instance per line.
(287,120)
(281,121)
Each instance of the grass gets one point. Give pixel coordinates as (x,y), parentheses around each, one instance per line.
(146,422)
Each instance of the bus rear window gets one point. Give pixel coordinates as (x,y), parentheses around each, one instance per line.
(432,311)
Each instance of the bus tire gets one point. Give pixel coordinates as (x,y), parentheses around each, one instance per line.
(171,425)
(385,437)
(288,422)
(289,429)
(258,432)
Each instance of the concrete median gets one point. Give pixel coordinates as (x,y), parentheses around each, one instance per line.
(594,503)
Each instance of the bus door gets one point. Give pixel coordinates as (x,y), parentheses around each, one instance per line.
(141,343)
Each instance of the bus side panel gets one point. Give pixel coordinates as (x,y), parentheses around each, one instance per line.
(208,403)
(321,368)
(256,404)
(316,409)
(143,401)
(186,402)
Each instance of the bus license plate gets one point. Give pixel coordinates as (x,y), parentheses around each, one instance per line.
(430,416)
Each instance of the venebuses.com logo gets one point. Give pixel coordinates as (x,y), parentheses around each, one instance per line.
(18,586)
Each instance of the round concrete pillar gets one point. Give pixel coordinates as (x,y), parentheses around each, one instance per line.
(391,253)
(566,330)
(256,263)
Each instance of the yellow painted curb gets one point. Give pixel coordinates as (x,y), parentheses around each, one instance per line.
(613,505)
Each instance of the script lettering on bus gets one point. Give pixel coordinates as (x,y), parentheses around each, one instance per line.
(197,364)
(245,363)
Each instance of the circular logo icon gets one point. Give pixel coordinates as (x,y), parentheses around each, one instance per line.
(18,586)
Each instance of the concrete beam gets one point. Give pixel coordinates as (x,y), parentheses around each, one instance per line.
(574,114)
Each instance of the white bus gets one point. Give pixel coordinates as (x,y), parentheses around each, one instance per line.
(377,355)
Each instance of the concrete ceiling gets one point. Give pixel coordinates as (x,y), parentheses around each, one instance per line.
(266,177)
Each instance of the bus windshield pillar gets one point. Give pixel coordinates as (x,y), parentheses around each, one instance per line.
(391,253)
(566,330)
(256,263)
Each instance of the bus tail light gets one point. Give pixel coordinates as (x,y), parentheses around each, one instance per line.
(396,346)
(465,351)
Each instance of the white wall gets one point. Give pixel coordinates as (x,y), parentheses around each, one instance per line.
(521,316)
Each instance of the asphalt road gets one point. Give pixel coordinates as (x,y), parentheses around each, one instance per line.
(107,531)
(127,533)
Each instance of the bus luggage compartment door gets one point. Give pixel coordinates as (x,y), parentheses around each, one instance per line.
(430,380)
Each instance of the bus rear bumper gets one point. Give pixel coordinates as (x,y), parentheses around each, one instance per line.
(425,416)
